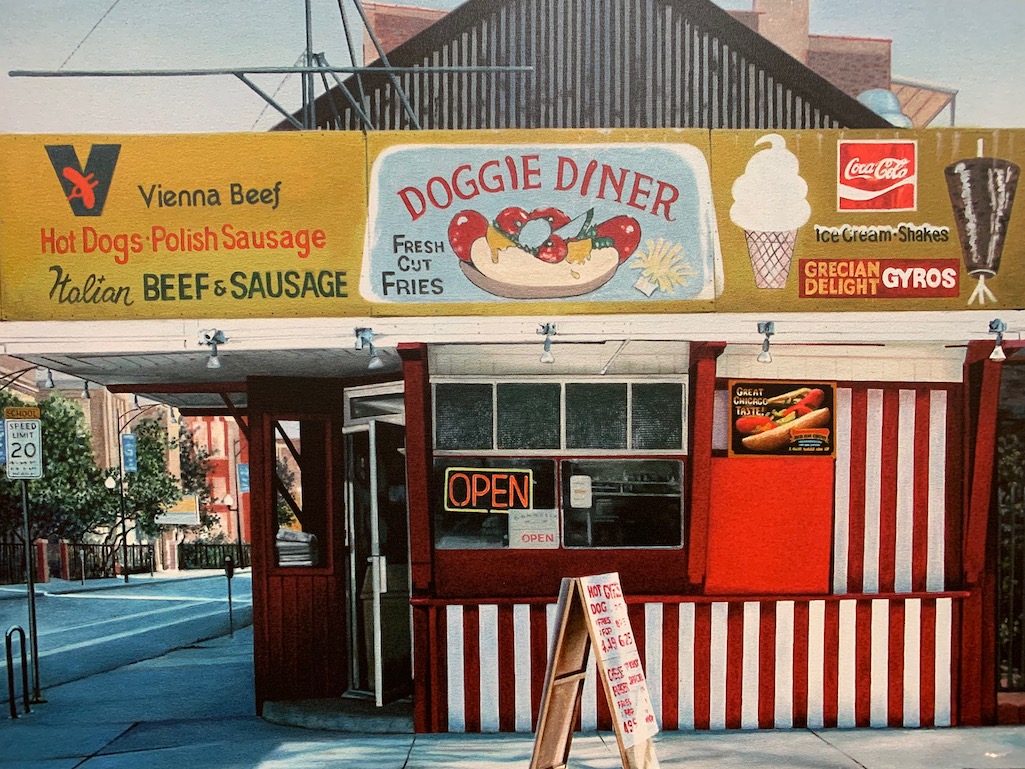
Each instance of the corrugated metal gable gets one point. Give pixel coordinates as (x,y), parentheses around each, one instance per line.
(598,63)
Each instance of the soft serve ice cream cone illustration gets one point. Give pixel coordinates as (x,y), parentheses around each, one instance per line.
(770,205)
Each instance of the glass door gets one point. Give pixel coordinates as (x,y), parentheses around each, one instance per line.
(379,561)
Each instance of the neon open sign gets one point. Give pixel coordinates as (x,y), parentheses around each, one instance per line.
(488,490)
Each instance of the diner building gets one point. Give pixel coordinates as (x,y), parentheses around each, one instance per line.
(659,301)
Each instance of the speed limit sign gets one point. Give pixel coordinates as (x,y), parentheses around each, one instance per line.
(23,444)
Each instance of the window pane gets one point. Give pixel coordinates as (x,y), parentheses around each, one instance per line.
(657,419)
(463,416)
(479,501)
(528,416)
(300,493)
(622,503)
(596,416)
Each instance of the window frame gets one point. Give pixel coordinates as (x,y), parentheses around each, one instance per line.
(562,381)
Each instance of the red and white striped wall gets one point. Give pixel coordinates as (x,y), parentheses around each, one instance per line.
(897,460)
(844,662)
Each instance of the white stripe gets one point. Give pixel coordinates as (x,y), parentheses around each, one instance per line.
(905,492)
(912,662)
(685,683)
(487,632)
(653,657)
(816,663)
(873,488)
(783,710)
(552,621)
(749,684)
(847,680)
(454,668)
(589,697)
(943,670)
(842,491)
(879,688)
(717,666)
(521,667)
(934,577)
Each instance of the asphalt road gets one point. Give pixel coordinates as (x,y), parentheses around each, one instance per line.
(87,632)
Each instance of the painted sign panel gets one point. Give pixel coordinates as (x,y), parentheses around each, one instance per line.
(869,220)
(782,418)
(592,221)
(509,223)
(124,227)
(619,661)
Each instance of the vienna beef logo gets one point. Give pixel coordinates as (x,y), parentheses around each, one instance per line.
(877,175)
(85,188)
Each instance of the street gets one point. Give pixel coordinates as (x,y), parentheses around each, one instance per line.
(85,631)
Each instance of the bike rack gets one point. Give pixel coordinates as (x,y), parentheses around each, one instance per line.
(9,642)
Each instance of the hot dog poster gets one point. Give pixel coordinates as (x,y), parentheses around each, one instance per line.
(781,418)
(582,222)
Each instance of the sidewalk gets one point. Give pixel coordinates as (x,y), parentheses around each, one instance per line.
(194,708)
(62,586)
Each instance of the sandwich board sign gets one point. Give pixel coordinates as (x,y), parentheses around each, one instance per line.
(592,612)
(23,444)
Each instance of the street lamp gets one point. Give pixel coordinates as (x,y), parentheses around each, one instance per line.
(229,502)
(122,424)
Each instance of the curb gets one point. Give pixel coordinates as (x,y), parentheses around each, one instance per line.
(42,587)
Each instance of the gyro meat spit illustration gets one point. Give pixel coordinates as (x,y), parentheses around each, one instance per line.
(542,254)
(981,193)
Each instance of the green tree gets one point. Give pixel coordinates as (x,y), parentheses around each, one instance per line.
(195,469)
(70,500)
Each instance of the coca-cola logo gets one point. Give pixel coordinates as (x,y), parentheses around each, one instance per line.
(887,168)
(877,175)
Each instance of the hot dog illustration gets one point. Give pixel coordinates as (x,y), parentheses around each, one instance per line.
(789,414)
(541,254)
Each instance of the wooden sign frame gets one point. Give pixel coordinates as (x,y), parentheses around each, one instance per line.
(591,611)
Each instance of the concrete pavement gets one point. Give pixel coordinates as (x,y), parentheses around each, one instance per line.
(193,707)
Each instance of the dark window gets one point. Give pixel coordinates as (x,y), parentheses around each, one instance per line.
(528,416)
(622,503)
(463,416)
(657,416)
(596,416)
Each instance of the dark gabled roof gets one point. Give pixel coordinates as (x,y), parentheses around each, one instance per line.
(596,63)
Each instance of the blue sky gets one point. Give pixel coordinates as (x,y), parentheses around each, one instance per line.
(972,45)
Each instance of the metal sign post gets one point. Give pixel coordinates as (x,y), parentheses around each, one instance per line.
(23,452)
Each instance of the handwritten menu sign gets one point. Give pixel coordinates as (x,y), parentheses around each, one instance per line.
(592,611)
(618,660)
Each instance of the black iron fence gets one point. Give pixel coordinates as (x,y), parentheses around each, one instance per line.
(12,563)
(205,555)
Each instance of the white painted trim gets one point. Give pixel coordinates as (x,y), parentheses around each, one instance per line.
(751,666)
(783,706)
(487,632)
(455,683)
(521,667)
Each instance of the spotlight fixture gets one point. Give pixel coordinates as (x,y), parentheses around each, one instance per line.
(768,328)
(135,401)
(49,385)
(998,327)
(85,389)
(548,330)
(212,337)
(365,339)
